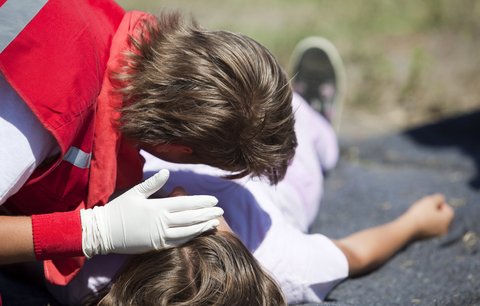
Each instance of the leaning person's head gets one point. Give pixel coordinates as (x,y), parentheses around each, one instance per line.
(213,269)
(220,94)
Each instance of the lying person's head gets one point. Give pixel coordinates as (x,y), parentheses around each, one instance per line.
(213,269)
(214,97)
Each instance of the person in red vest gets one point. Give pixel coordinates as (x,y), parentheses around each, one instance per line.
(84,86)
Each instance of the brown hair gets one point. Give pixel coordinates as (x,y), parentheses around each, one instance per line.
(220,93)
(213,269)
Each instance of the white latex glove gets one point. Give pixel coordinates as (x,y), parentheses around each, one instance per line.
(132,223)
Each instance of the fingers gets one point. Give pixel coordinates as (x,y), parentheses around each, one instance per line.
(440,203)
(436,198)
(448,210)
(433,201)
(188,232)
(182,203)
(153,184)
(190,217)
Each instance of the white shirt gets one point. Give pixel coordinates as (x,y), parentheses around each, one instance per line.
(25,142)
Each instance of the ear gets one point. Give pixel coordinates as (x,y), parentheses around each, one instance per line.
(178,148)
(173,148)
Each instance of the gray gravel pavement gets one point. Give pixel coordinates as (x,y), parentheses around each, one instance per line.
(377,179)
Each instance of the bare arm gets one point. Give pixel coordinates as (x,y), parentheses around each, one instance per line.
(16,239)
(367,249)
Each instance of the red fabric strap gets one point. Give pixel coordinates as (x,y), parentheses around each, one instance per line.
(57,235)
(57,239)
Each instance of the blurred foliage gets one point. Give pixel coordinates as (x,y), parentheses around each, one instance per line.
(410,60)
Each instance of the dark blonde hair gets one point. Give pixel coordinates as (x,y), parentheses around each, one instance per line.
(220,93)
(213,269)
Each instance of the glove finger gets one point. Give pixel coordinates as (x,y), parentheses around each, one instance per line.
(187,232)
(182,203)
(153,184)
(190,217)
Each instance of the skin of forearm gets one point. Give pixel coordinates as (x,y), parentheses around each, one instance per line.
(367,249)
(16,239)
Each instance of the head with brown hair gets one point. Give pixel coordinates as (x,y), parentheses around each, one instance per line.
(213,269)
(220,93)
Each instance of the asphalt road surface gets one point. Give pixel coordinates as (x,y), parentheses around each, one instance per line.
(377,179)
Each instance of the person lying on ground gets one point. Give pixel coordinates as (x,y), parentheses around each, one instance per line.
(273,221)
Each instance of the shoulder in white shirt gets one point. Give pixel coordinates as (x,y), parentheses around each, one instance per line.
(25,142)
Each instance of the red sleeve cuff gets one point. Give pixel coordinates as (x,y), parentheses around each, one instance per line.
(57,235)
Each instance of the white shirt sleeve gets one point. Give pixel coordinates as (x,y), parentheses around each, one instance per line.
(25,142)
(307,266)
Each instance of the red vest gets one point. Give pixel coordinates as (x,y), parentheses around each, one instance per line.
(57,63)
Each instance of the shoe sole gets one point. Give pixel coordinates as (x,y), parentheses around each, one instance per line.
(334,56)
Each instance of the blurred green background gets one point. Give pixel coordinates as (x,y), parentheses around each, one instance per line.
(408,62)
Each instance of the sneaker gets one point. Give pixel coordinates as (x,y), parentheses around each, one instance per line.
(319,77)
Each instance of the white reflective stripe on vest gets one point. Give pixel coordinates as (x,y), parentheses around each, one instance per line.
(14,17)
(78,158)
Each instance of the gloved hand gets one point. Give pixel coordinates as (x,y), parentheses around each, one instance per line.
(132,223)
